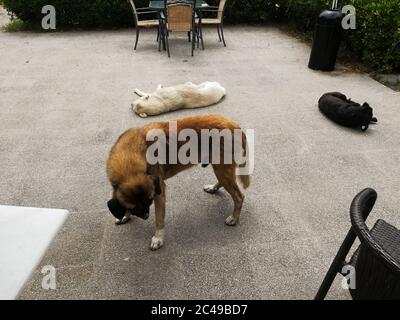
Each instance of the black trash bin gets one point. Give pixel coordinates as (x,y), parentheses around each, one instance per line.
(328,35)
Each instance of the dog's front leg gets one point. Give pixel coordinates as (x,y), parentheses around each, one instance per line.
(140,93)
(125,219)
(158,239)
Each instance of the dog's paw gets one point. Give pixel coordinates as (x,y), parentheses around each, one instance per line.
(231,221)
(156,243)
(210,188)
(122,221)
(143,115)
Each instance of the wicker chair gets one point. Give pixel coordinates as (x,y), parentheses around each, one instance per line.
(217,21)
(376,262)
(148,23)
(179,17)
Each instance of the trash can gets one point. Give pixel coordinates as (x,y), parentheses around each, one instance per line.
(327,38)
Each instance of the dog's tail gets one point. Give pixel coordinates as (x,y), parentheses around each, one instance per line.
(245,179)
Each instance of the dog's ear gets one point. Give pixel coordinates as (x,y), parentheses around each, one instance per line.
(366,105)
(116,208)
(156,180)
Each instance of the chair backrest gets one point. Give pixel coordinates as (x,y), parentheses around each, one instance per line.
(135,15)
(180,17)
(377,271)
(221,9)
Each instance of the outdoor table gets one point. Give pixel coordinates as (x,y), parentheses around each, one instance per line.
(159,4)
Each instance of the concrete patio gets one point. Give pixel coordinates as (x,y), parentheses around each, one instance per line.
(64,100)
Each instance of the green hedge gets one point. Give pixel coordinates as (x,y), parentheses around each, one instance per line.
(376,40)
(76,13)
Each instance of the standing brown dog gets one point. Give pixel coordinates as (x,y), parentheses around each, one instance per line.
(136,183)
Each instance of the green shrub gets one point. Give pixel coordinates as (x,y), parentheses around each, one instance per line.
(377,38)
(302,14)
(77,13)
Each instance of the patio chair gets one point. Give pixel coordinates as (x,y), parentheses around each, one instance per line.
(217,21)
(376,262)
(145,23)
(179,17)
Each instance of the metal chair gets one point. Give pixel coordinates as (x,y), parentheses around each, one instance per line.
(376,262)
(145,23)
(179,17)
(217,21)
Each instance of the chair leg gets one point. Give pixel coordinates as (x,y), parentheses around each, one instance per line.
(164,36)
(137,37)
(167,42)
(194,36)
(198,35)
(201,36)
(336,265)
(159,37)
(188,36)
(222,34)
(219,34)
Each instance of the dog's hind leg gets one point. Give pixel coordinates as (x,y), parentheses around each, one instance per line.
(226,175)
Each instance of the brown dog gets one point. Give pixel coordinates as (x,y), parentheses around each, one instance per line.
(136,183)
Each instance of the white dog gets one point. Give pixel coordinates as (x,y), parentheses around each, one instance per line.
(184,96)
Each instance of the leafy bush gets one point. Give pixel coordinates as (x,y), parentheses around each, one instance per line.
(78,13)
(377,38)
(302,14)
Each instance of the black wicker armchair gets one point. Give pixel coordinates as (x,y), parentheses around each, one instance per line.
(376,262)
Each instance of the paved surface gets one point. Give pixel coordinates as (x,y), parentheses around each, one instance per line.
(65,99)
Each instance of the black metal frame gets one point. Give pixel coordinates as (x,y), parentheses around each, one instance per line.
(379,258)
(220,26)
(144,11)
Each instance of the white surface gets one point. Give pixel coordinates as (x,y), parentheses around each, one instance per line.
(25,234)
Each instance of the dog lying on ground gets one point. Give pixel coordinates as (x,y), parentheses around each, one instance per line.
(137,184)
(345,112)
(185,96)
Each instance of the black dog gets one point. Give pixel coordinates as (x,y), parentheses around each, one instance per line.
(345,112)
